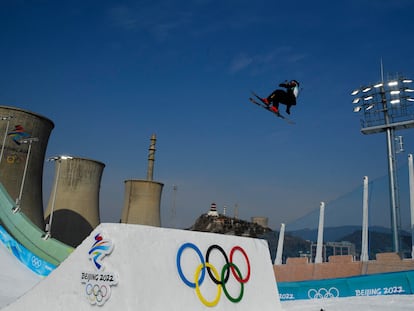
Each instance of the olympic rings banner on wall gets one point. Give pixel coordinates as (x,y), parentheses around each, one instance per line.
(218,273)
(391,283)
(30,260)
(139,267)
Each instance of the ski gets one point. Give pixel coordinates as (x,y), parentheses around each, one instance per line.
(264,106)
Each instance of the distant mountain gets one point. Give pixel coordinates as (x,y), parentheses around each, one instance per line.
(292,246)
(227,225)
(380,242)
(333,233)
(379,238)
(299,242)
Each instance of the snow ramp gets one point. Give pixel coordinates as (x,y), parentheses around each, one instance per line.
(15,277)
(136,267)
(28,234)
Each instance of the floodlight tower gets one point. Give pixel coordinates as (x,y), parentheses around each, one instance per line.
(386,107)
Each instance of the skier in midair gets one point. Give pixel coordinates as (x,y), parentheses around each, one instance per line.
(286,97)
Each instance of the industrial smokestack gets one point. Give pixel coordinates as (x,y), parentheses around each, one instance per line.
(143,197)
(17,124)
(151,158)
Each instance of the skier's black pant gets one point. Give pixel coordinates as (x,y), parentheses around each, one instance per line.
(282,97)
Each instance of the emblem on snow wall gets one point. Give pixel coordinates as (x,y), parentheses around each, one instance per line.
(97,284)
(99,250)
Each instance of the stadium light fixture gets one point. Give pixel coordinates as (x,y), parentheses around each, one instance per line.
(5,118)
(58,159)
(395,111)
(29,141)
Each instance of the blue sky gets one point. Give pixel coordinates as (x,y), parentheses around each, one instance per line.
(109,74)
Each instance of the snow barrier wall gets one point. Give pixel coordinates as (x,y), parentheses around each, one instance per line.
(137,267)
(392,283)
(27,258)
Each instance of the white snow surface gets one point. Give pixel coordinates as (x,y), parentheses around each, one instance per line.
(15,278)
(372,303)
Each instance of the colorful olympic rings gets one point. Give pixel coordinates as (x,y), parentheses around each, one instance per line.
(232,267)
(219,280)
(226,278)
(202,299)
(180,271)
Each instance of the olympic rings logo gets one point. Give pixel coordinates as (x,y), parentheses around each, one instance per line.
(97,294)
(333,292)
(219,277)
(13,159)
(36,262)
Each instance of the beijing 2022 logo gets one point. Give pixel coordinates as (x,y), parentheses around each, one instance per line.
(98,283)
(218,275)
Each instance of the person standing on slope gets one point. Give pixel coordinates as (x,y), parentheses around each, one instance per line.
(286,97)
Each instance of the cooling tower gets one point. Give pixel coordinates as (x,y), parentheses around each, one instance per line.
(143,197)
(17,124)
(142,203)
(263,221)
(74,199)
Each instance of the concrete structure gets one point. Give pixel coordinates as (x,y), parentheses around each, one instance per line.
(300,269)
(74,199)
(333,249)
(143,197)
(142,203)
(263,221)
(15,124)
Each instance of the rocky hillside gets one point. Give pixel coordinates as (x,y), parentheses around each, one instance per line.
(226,225)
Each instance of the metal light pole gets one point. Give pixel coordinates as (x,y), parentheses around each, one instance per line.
(57,159)
(319,244)
(411,183)
(387,107)
(364,238)
(279,251)
(6,118)
(29,141)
